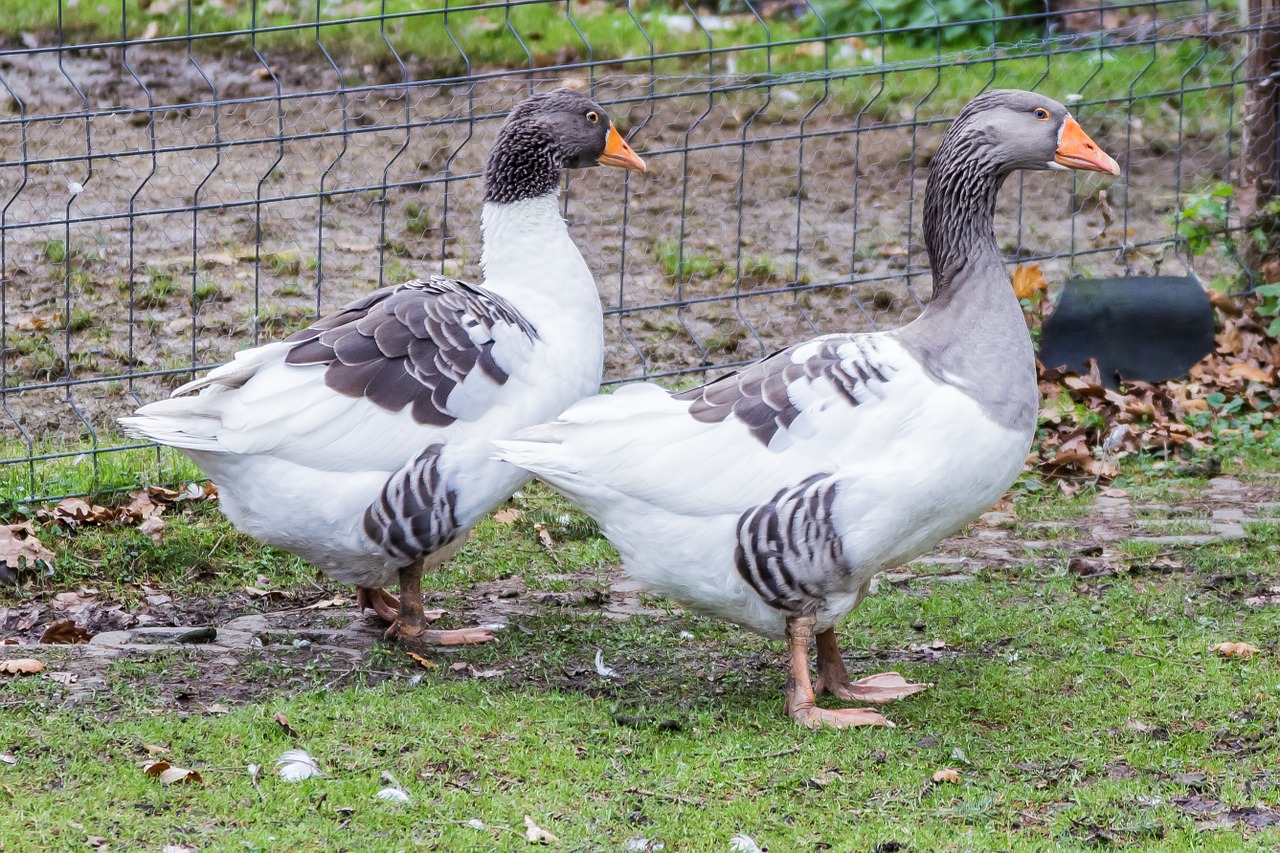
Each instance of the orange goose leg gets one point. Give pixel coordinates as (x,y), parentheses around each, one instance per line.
(410,622)
(833,678)
(801,704)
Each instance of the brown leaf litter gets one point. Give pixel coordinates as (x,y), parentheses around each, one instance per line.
(1091,427)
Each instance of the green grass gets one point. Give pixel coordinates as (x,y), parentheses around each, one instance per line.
(893,80)
(1076,712)
(70,467)
(683,263)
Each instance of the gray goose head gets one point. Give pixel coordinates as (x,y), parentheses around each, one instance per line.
(546,134)
(1009,129)
(997,133)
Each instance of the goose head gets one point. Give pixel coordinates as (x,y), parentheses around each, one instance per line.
(1010,129)
(546,134)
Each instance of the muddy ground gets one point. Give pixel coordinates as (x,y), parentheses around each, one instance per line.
(268,642)
(773,192)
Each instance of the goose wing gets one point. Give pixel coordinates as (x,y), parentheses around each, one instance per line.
(367,386)
(733,443)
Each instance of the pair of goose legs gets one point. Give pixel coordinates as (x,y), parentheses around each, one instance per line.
(409,622)
(406,615)
(833,678)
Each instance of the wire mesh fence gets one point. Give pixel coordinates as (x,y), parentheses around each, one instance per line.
(183,180)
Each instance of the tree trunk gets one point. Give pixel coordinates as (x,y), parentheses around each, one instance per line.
(1262,107)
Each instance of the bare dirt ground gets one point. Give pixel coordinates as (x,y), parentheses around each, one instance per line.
(237,648)
(201,210)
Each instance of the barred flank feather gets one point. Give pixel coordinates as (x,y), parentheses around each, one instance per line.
(789,550)
(416,513)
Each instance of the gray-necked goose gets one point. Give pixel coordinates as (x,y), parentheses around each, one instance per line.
(361,443)
(771,496)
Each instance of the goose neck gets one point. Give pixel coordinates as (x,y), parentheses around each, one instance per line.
(526,241)
(959,214)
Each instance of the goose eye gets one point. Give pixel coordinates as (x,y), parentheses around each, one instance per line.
(1041,113)
(593,117)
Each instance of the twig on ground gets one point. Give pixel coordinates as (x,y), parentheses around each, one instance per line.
(643,793)
(1120,674)
(777,754)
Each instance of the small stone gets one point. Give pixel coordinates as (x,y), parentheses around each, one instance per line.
(206,634)
(112,638)
(253,623)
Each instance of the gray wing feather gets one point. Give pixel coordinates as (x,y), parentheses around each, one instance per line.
(789,550)
(759,396)
(416,513)
(410,345)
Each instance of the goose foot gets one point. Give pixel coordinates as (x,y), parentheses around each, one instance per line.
(833,678)
(409,624)
(839,718)
(802,705)
(379,601)
(458,637)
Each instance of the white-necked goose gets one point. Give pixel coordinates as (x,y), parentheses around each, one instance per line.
(361,443)
(773,495)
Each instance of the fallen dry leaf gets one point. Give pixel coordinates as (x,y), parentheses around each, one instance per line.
(74,513)
(429,664)
(535,834)
(153,749)
(1222,302)
(1250,372)
(1271,271)
(170,775)
(18,545)
(544,536)
(66,631)
(946,775)
(263,593)
(1028,281)
(37,322)
(336,601)
(1244,651)
(283,722)
(21,666)
(510,515)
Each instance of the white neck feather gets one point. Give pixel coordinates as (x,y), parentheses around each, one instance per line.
(530,259)
(525,239)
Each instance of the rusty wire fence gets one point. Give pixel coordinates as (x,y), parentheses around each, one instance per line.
(185,180)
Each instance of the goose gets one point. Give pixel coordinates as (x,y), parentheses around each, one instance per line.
(361,443)
(771,496)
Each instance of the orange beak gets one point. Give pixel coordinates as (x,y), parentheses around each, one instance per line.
(1077,151)
(618,153)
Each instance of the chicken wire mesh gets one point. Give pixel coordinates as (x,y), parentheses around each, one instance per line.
(181,181)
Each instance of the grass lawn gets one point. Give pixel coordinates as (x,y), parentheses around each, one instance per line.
(1080,711)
